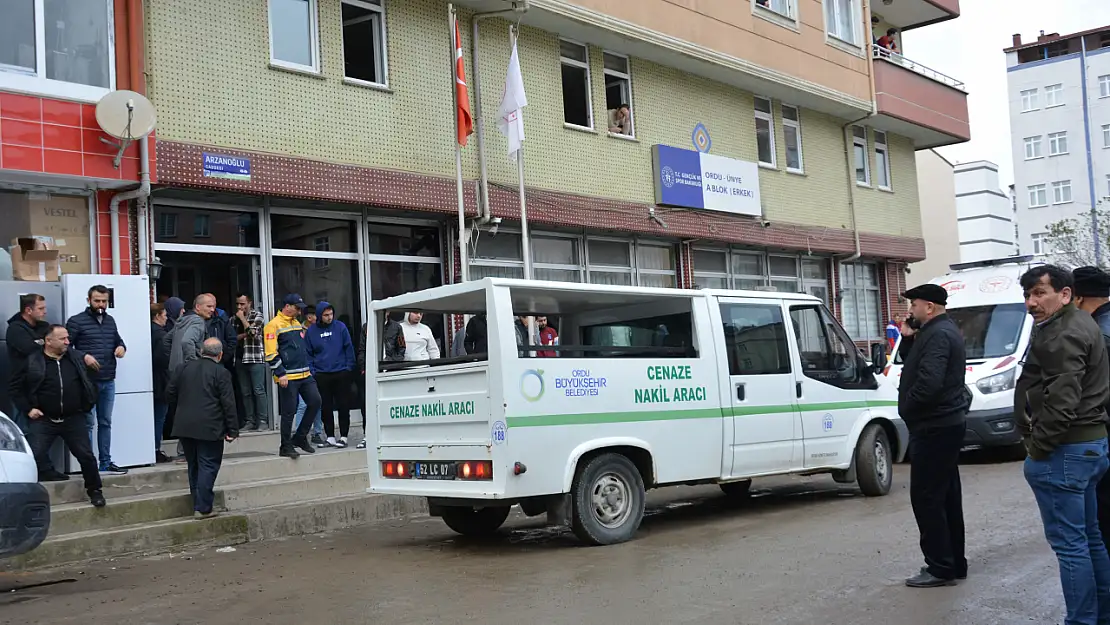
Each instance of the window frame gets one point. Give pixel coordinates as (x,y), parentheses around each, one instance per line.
(796,124)
(1104,86)
(786,361)
(771,15)
(1039,240)
(1038,188)
(861,142)
(863,377)
(167,219)
(1030,100)
(1037,143)
(314,39)
(1054,90)
(19,79)
(884,149)
(627,76)
(855,290)
(589,82)
(1055,139)
(1058,189)
(832,7)
(383,56)
(1105,136)
(202,219)
(770,119)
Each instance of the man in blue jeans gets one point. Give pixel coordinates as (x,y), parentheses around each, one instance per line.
(94,332)
(1059,402)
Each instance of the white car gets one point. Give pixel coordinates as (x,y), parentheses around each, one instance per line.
(25,509)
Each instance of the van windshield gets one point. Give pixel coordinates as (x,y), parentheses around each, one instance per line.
(989,331)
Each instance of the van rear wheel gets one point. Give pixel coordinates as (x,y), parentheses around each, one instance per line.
(874,463)
(475,521)
(607,500)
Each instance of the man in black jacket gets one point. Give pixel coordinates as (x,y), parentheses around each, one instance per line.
(55,392)
(933,401)
(94,332)
(26,330)
(204,419)
(160,374)
(1092,295)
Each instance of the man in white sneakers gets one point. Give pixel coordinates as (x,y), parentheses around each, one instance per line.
(420,343)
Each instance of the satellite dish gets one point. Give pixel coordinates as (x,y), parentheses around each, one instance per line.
(125,115)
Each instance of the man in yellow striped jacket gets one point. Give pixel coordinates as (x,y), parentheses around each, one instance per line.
(285,353)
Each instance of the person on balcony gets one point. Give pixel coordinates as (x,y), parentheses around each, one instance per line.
(888,42)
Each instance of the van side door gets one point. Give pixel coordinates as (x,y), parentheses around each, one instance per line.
(760,386)
(832,385)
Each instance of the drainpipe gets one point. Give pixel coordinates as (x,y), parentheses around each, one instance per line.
(141,193)
(846,131)
(480,125)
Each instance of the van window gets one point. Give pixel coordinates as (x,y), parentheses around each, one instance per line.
(990,331)
(667,336)
(827,352)
(755,339)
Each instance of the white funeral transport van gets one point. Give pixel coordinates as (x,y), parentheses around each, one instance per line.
(986,301)
(646,387)
(24,503)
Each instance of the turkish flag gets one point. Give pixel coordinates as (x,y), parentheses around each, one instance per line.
(464,123)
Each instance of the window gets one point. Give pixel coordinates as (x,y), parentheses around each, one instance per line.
(711,269)
(755,339)
(840,20)
(815,278)
(294,39)
(364,49)
(863,168)
(792,135)
(783,8)
(1054,95)
(656,336)
(167,226)
(577,106)
(1104,86)
(1057,143)
(827,352)
(201,226)
(1040,243)
(859,288)
(1061,192)
(618,93)
(58,47)
(882,160)
(556,258)
(610,262)
(765,132)
(1029,100)
(1106,135)
(321,244)
(1033,148)
(655,265)
(1038,195)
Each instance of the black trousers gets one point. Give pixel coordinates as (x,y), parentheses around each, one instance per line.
(73,430)
(335,396)
(937,498)
(204,458)
(307,390)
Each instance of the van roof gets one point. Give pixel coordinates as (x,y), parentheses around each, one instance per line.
(549,297)
(985,285)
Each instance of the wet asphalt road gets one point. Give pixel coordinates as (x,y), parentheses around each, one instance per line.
(803,550)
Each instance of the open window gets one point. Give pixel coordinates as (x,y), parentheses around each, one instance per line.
(827,353)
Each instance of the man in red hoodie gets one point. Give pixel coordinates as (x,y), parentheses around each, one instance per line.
(548,336)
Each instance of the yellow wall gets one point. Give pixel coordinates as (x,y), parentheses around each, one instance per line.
(212,84)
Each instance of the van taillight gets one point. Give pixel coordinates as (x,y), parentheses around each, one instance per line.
(476,470)
(396,469)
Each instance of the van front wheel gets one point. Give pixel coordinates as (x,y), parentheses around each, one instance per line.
(608,500)
(874,463)
(475,521)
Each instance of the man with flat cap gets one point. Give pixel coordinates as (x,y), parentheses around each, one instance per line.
(1092,295)
(933,401)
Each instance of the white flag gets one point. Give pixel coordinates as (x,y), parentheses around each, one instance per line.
(511,122)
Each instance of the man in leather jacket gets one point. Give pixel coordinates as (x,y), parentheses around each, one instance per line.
(1092,295)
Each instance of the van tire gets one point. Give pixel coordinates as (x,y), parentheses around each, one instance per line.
(738,490)
(609,485)
(874,464)
(475,521)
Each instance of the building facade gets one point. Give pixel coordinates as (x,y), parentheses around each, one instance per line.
(939,227)
(985,213)
(1059,91)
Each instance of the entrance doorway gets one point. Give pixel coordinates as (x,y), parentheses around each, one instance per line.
(188,274)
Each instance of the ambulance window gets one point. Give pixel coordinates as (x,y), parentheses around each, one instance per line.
(755,337)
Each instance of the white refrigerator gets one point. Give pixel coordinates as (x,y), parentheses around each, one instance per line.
(133,414)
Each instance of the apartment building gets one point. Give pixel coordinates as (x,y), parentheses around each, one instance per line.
(1059,91)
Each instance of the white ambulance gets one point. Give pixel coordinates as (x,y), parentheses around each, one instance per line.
(646,387)
(987,303)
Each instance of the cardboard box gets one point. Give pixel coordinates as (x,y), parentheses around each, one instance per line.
(35,259)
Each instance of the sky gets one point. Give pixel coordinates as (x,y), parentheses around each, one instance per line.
(969,49)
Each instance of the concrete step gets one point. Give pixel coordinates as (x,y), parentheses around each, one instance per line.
(265,442)
(162,506)
(235,470)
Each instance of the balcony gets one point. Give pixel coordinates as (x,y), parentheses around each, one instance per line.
(919,102)
(908,14)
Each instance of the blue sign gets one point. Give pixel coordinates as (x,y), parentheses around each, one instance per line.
(690,179)
(228,167)
(701,139)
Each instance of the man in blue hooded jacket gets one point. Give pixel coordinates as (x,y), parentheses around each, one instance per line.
(331,357)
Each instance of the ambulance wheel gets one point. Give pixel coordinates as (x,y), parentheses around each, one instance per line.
(475,522)
(874,463)
(738,490)
(607,500)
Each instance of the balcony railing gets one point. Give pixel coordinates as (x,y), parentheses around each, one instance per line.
(881,53)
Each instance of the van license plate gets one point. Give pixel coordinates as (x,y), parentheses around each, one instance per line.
(434,471)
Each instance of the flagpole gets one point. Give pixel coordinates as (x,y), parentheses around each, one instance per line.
(525,244)
(464,261)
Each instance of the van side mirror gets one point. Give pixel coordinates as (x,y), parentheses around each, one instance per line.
(878,357)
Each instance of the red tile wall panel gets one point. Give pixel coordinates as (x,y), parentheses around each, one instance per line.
(104,234)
